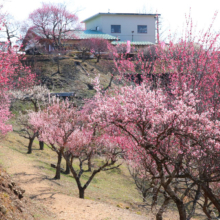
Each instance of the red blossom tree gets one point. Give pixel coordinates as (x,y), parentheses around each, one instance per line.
(4,114)
(13,75)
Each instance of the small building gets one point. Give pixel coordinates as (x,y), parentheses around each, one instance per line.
(63,95)
(125,26)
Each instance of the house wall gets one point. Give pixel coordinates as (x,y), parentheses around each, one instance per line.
(92,24)
(128,24)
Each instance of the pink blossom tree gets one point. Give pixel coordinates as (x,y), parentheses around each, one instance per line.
(86,151)
(64,129)
(84,46)
(26,130)
(176,139)
(99,46)
(192,63)
(38,97)
(54,23)
(55,125)
(190,66)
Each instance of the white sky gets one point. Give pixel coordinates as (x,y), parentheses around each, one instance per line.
(172,11)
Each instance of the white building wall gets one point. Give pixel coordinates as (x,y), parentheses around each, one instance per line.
(128,24)
(93,23)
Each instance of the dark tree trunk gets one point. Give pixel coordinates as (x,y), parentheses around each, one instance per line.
(57,176)
(67,171)
(159,215)
(181,209)
(179,203)
(58,65)
(81,193)
(144,194)
(207,212)
(31,140)
(83,56)
(172,194)
(98,58)
(211,196)
(41,144)
(89,164)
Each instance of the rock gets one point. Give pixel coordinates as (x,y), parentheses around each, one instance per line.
(19,208)
(22,191)
(3,210)
(10,186)
(16,192)
(20,196)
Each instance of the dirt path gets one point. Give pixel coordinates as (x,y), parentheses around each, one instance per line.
(39,187)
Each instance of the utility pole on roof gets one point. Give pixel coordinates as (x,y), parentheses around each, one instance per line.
(157,27)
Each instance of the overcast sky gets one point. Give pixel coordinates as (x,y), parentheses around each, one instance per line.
(172,11)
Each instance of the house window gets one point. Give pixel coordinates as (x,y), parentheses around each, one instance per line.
(142,29)
(115,28)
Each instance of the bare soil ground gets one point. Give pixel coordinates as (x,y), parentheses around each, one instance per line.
(43,191)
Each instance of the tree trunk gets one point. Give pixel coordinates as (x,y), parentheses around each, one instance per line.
(83,56)
(144,194)
(98,58)
(41,144)
(162,209)
(57,176)
(31,140)
(67,171)
(58,65)
(178,202)
(81,193)
(89,164)
(211,196)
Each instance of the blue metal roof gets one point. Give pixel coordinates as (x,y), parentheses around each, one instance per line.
(80,34)
(87,34)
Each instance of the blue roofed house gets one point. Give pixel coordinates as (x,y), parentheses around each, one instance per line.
(139,29)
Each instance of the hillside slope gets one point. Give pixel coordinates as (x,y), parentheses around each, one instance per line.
(71,75)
